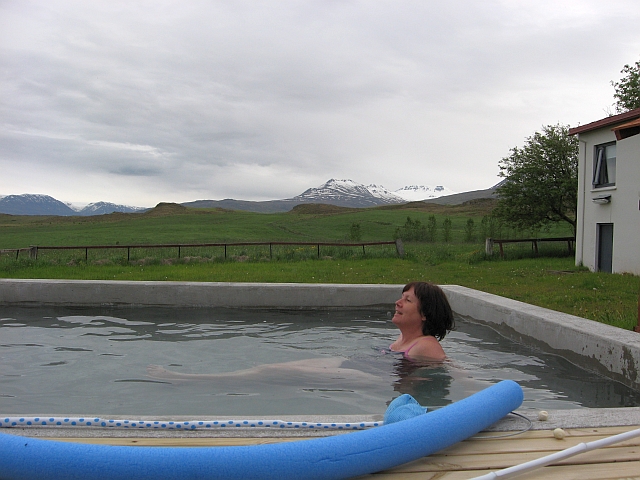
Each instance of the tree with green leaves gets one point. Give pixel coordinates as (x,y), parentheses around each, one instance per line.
(627,93)
(431,228)
(470,230)
(490,226)
(541,180)
(412,231)
(355,232)
(446,229)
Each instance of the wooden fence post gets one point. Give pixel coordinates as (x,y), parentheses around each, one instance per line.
(488,246)
(33,252)
(399,247)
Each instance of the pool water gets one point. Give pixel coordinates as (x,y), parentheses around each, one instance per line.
(80,361)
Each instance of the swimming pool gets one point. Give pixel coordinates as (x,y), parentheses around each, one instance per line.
(80,360)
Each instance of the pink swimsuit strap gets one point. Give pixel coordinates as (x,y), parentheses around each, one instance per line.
(406,352)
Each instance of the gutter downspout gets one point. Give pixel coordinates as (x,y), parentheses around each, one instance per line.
(637,327)
(581,203)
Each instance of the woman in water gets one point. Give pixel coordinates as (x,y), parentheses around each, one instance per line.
(424,317)
(422,314)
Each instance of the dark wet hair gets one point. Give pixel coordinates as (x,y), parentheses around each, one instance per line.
(435,307)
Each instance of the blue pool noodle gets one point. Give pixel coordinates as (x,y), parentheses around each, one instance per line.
(340,456)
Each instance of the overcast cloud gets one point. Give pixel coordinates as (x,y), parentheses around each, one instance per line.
(143,102)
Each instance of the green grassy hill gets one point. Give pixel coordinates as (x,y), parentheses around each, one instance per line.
(550,279)
(173,223)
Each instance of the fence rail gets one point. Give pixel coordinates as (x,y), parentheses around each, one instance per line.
(34,249)
(490,242)
(15,251)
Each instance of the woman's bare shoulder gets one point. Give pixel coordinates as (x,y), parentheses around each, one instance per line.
(428,347)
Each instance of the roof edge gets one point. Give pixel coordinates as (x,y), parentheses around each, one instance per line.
(605,122)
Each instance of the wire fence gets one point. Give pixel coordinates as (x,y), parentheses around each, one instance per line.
(206,251)
(491,242)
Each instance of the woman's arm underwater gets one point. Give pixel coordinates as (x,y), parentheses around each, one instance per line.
(328,368)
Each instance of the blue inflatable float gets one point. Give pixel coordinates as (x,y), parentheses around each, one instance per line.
(341,456)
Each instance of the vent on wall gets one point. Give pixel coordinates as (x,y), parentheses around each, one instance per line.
(602,199)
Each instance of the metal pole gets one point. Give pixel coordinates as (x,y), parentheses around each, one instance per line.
(561,455)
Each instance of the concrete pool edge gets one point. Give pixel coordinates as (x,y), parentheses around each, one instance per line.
(601,348)
(566,419)
(193,294)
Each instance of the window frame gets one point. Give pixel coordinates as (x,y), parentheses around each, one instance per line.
(600,179)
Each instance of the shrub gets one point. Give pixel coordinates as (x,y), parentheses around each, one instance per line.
(446,229)
(431,228)
(355,232)
(470,231)
(412,231)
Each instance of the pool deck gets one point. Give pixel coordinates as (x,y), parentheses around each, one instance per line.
(479,455)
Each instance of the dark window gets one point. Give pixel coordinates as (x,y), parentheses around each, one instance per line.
(604,165)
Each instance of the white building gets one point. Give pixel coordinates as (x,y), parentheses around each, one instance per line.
(608,223)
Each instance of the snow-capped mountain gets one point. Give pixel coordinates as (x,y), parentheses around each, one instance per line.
(30,204)
(347,193)
(415,193)
(381,192)
(344,193)
(102,208)
(34,204)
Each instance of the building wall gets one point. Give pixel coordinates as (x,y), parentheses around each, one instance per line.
(623,210)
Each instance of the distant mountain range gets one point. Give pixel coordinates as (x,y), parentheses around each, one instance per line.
(343,193)
(31,204)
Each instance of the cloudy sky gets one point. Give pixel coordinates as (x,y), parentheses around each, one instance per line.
(149,101)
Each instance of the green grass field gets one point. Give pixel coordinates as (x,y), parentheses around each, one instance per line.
(550,279)
(176,224)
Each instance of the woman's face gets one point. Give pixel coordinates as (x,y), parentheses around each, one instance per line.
(408,310)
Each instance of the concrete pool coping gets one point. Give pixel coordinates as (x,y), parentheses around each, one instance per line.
(600,348)
(572,418)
